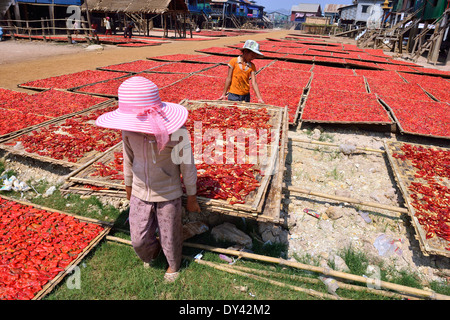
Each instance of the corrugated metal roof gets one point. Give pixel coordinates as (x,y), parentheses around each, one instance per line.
(306,7)
(347,7)
(333,8)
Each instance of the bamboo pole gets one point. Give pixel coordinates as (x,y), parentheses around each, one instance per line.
(341,285)
(298,265)
(345,199)
(311,292)
(328,272)
(333,144)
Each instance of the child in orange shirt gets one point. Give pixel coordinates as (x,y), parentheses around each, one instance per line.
(241,71)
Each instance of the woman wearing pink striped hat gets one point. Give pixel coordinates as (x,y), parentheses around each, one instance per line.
(152,177)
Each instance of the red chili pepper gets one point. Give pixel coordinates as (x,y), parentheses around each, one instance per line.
(431,199)
(33,251)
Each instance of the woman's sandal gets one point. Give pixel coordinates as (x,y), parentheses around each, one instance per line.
(171,277)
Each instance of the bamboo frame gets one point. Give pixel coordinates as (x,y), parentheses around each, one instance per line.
(12,135)
(325,271)
(87,158)
(404,173)
(409,132)
(115,96)
(257,201)
(273,200)
(310,292)
(107,226)
(22,85)
(60,276)
(105,68)
(76,175)
(387,126)
(256,206)
(345,199)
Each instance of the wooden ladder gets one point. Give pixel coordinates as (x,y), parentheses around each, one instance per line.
(235,21)
(370,35)
(433,43)
(395,33)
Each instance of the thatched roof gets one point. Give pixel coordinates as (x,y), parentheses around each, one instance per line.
(136,6)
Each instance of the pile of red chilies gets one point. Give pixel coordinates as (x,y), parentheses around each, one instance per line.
(113,169)
(432,199)
(231,182)
(36,245)
(72,139)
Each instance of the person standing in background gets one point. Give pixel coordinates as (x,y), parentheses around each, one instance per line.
(108,26)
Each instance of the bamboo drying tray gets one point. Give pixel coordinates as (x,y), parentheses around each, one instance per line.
(9,144)
(116,94)
(377,125)
(404,175)
(82,182)
(83,175)
(11,135)
(399,124)
(167,60)
(108,68)
(24,86)
(155,70)
(14,134)
(260,198)
(272,206)
(49,286)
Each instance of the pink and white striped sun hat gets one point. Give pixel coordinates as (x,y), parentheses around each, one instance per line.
(141,110)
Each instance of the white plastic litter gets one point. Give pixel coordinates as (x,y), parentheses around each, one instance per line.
(13,184)
(330,283)
(50,191)
(387,246)
(347,148)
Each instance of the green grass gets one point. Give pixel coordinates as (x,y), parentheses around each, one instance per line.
(112,271)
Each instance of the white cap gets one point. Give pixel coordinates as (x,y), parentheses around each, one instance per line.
(253,46)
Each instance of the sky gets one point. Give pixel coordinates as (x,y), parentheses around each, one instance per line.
(287,4)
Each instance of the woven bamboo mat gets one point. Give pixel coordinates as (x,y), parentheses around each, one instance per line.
(405,174)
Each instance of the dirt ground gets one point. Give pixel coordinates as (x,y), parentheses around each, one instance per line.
(361,176)
(25,60)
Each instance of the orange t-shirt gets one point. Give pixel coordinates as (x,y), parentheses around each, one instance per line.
(240,82)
